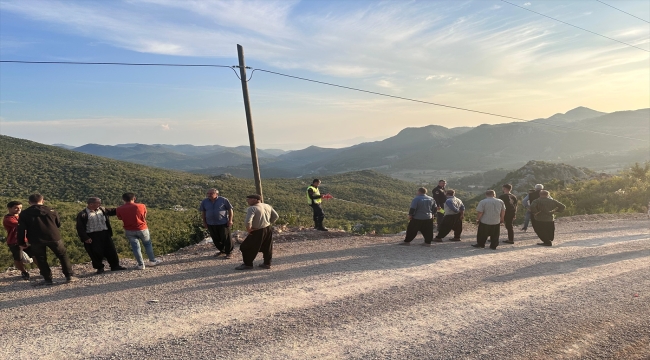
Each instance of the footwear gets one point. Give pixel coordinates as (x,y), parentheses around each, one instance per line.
(426,244)
(491,248)
(322,228)
(229,256)
(45,282)
(99,271)
(265,266)
(454,239)
(155,262)
(478,246)
(405,243)
(509,242)
(140,267)
(545,244)
(524,229)
(243,267)
(25,275)
(117,268)
(437,240)
(218,254)
(71,278)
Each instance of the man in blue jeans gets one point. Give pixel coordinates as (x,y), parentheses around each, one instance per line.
(134,217)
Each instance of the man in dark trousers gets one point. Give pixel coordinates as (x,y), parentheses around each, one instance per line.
(453,220)
(440,196)
(314,199)
(489,215)
(94,230)
(544,209)
(40,226)
(511,211)
(217,215)
(259,218)
(421,218)
(532,196)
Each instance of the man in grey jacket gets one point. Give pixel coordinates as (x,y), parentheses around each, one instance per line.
(259,217)
(421,218)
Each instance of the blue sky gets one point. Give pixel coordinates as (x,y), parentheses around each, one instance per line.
(484,55)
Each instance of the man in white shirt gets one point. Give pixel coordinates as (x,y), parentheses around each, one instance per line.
(259,217)
(490,213)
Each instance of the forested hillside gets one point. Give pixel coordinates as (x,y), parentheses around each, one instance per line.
(66,178)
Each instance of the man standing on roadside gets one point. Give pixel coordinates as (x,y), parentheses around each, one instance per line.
(489,215)
(259,218)
(134,217)
(440,196)
(217,215)
(453,220)
(544,209)
(10,223)
(511,211)
(314,199)
(420,218)
(95,232)
(39,225)
(532,196)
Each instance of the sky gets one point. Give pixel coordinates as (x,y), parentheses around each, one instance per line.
(484,55)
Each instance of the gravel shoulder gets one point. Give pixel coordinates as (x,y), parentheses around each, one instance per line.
(355,297)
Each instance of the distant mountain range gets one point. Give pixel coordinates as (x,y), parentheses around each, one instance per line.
(578,137)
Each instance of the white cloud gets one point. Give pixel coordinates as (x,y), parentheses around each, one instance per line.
(165,127)
(527,4)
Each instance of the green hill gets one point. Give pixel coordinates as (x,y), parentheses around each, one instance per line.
(66,178)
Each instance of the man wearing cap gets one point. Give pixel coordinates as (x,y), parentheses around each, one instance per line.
(259,218)
(314,199)
(533,195)
(217,215)
(544,209)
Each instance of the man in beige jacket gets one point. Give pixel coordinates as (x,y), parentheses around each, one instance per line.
(259,217)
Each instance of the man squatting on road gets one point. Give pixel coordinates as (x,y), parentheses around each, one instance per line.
(217,215)
(421,217)
(259,218)
(453,219)
(10,223)
(543,209)
(489,215)
(314,199)
(95,232)
(39,225)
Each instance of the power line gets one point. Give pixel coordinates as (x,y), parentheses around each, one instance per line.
(448,106)
(111,63)
(613,7)
(577,27)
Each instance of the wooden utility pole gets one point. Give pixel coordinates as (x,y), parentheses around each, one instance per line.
(249,121)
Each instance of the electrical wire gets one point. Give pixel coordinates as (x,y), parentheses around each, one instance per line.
(533,122)
(613,7)
(577,27)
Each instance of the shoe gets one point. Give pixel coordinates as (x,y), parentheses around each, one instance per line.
(509,242)
(437,240)
(322,228)
(544,244)
(45,282)
(25,275)
(218,254)
(243,267)
(524,229)
(491,248)
(405,243)
(265,266)
(454,239)
(478,246)
(71,278)
(100,271)
(117,268)
(229,256)
(426,244)
(140,267)
(155,262)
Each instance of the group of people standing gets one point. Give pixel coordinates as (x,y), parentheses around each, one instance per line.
(491,213)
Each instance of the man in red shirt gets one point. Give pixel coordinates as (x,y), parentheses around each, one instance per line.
(134,217)
(10,223)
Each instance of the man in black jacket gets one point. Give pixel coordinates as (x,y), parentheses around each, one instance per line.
(511,211)
(533,195)
(40,225)
(94,230)
(439,194)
